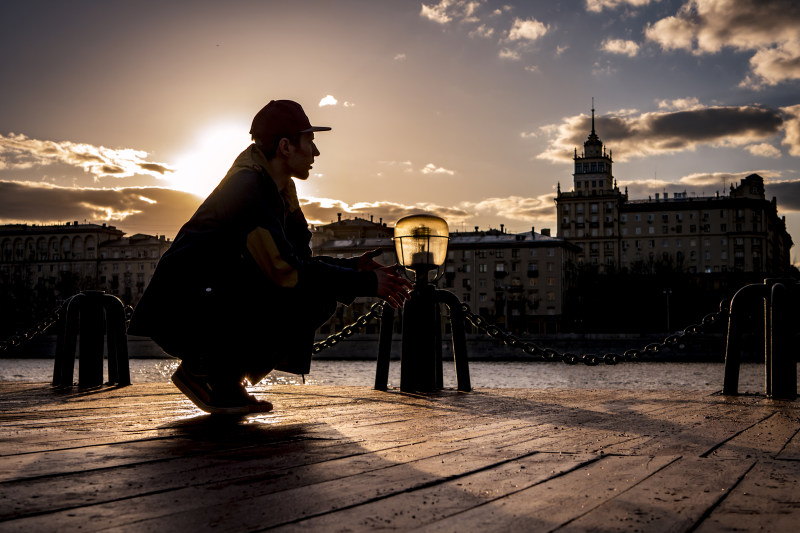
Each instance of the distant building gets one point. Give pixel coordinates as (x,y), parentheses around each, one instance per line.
(738,232)
(515,280)
(67,258)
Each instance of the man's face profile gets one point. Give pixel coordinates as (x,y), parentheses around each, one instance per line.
(301,156)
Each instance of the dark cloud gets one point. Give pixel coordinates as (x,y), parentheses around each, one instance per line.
(323,212)
(133,209)
(787,193)
(155,167)
(634,134)
(767,27)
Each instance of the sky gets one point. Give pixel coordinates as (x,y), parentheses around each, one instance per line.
(130,113)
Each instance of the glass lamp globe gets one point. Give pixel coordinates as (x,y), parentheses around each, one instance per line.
(421,243)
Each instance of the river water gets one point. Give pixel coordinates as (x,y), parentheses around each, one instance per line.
(485,374)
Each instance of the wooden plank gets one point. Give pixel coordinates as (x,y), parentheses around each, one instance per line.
(767,437)
(671,500)
(410,510)
(767,499)
(548,505)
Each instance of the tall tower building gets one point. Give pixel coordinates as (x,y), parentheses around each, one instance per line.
(588,215)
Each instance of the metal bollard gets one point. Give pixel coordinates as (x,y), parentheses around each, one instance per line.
(421,357)
(87,317)
(776,301)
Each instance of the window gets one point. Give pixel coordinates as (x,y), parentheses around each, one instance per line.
(500,267)
(623,218)
(483,267)
(651,230)
(594,208)
(664,229)
(638,231)
(500,253)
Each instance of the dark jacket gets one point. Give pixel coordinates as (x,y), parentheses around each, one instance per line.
(248,246)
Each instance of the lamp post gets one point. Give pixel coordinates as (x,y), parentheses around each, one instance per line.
(667,292)
(421,246)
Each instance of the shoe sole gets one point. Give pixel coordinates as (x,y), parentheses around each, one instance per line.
(186,390)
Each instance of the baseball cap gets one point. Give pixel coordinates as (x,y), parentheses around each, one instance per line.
(281,118)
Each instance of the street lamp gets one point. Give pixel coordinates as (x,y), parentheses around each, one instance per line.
(421,246)
(667,292)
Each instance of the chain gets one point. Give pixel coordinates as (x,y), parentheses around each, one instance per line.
(548,354)
(15,341)
(349,330)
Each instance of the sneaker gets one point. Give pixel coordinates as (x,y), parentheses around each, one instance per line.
(254,405)
(214,399)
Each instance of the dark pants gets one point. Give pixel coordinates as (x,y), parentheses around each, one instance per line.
(235,336)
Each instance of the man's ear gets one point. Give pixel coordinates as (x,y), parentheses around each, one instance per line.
(283,146)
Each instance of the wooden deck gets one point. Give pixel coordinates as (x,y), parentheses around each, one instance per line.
(142,458)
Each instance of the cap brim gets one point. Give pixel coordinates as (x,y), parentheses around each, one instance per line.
(316,128)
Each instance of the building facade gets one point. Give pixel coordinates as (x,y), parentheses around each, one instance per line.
(735,232)
(66,258)
(515,280)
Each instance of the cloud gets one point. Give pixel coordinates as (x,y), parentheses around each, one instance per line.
(530,29)
(20,152)
(532,68)
(680,103)
(764,150)
(792,128)
(520,208)
(483,31)
(135,209)
(507,53)
(631,134)
(786,191)
(329,100)
(430,168)
(596,6)
(620,46)
(325,210)
(437,13)
(400,57)
(766,27)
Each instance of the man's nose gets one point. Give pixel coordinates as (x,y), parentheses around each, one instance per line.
(315,151)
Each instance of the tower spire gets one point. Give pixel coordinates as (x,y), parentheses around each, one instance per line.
(593,133)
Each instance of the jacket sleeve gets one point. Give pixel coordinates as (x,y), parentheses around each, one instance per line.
(286,262)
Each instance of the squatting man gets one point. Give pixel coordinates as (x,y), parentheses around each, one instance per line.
(238,294)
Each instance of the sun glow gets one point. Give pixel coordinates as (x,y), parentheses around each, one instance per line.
(201,165)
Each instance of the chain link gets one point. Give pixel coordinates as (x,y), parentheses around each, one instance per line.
(15,341)
(591,359)
(350,329)
(537,352)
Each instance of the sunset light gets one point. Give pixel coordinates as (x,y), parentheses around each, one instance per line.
(208,155)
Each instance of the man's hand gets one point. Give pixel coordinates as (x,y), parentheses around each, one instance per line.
(366,261)
(391,287)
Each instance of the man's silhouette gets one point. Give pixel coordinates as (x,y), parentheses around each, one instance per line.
(238,293)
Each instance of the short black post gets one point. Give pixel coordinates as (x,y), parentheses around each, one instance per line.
(418,364)
(746,298)
(86,318)
(384,347)
(118,365)
(782,377)
(64,365)
(458,328)
(90,347)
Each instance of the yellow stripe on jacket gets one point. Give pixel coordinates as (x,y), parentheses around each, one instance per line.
(262,247)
